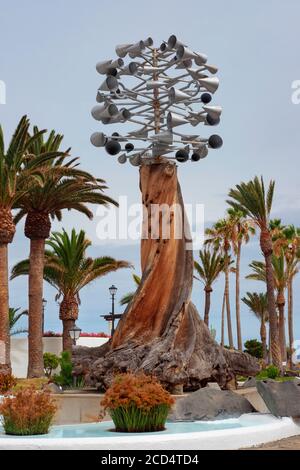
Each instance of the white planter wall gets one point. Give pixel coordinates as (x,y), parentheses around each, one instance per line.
(19,351)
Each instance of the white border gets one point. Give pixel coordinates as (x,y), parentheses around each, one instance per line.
(273,429)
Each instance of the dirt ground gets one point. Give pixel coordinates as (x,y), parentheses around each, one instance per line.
(290,443)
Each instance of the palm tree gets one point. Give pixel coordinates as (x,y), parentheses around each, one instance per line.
(287,238)
(68,270)
(65,187)
(219,236)
(14,317)
(212,264)
(258,304)
(15,177)
(280,283)
(242,229)
(127,298)
(252,199)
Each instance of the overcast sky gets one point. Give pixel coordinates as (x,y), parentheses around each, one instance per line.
(48,52)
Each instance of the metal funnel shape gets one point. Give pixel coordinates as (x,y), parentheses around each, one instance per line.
(214,111)
(174,120)
(104,111)
(136,49)
(176,96)
(109,84)
(122,49)
(184,53)
(130,69)
(104,66)
(211,84)
(164,137)
(200,58)
(173,42)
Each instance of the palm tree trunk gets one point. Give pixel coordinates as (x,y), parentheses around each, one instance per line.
(68,313)
(223,320)
(281,325)
(229,326)
(35,336)
(263,337)
(290,320)
(208,291)
(67,340)
(4,308)
(237,297)
(267,249)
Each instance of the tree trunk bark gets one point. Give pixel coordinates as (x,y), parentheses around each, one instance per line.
(281,323)
(161,332)
(290,321)
(263,337)
(35,328)
(4,308)
(267,249)
(237,297)
(208,291)
(68,313)
(228,310)
(223,320)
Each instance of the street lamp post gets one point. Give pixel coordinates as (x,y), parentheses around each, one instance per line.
(43,315)
(113,290)
(75,333)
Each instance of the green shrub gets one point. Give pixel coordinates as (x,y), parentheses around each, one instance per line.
(51,362)
(254,348)
(29,412)
(272,372)
(65,377)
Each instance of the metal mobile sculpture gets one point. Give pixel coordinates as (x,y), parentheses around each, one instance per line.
(173,87)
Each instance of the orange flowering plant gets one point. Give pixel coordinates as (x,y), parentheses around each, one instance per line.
(7,382)
(28,412)
(137,403)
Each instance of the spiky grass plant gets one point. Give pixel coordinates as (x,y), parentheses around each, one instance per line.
(29,412)
(137,403)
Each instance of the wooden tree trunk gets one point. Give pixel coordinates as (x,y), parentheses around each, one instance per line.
(237,297)
(35,327)
(228,309)
(208,291)
(161,332)
(68,313)
(4,306)
(290,321)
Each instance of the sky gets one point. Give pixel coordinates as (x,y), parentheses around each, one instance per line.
(48,52)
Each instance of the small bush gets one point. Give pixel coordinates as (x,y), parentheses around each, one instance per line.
(7,382)
(65,377)
(137,403)
(51,362)
(272,372)
(28,413)
(254,348)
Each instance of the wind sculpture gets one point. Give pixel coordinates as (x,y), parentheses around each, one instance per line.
(160,332)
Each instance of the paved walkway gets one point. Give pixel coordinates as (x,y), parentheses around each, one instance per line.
(290,443)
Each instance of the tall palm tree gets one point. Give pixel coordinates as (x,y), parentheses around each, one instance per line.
(127,298)
(68,269)
(14,317)
(15,178)
(219,236)
(65,187)
(208,270)
(287,238)
(258,304)
(280,284)
(242,229)
(256,202)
